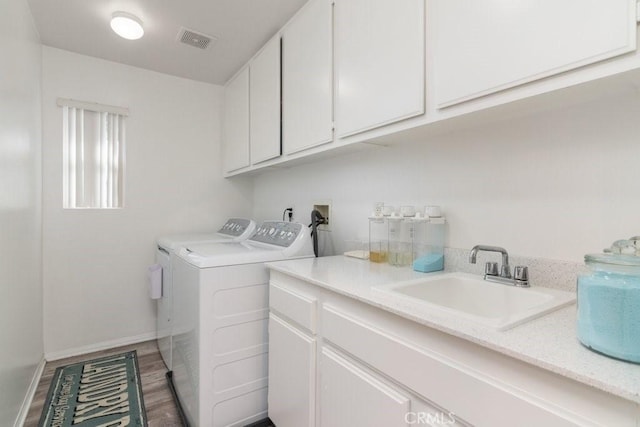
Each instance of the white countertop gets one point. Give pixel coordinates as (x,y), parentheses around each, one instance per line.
(549,342)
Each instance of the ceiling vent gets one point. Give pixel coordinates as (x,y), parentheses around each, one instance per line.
(195,39)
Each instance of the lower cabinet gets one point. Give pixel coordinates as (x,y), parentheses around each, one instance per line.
(292,371)
(338,362)
(349,396)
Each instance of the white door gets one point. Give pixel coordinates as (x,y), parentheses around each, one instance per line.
(235,138)
(380,52)
(292,370)
(482,47)
(351,397)
(264,90)
(307,78)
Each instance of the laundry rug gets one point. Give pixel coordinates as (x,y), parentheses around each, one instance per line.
(99,392)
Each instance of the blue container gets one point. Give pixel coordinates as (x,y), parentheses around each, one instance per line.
(429,263)
(609,306)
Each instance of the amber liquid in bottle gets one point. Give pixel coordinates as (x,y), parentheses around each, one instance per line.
(375,256)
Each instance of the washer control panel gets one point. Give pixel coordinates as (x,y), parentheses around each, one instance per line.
(278,233)
(234,227)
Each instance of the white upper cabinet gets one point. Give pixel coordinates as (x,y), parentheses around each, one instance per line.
(235,141)
(307,78)
(486,46)
(380,65)
(264,89)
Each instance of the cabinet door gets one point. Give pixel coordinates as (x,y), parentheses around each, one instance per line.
(484,47)
(292,371)
(350,396)
(307,78)
(379,62)
(264,88)
(235,142)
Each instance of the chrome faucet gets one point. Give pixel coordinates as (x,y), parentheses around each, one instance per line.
(521,273)
(504,271)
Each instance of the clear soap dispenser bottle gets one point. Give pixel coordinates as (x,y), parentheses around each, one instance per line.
(378,234)
(428,241)
(400,230)
(378,238)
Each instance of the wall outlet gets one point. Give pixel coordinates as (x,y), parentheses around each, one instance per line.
(325,209)
(289,215)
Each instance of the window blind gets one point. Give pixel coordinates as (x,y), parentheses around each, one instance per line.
(93,154)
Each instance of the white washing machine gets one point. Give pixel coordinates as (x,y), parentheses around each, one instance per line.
(235,229)
(220,345)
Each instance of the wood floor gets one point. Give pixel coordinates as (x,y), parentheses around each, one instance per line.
(158,401)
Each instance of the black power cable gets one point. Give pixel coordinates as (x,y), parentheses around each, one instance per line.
(316,219)
(290,210)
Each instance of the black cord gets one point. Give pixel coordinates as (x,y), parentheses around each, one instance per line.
(316,219)
(284,212)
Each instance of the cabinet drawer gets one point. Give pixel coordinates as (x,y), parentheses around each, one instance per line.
(440,379)
(299,308)
(351,396)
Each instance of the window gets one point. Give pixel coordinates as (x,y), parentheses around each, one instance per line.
(93,155)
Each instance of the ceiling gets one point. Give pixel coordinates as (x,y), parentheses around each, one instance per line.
(241,28)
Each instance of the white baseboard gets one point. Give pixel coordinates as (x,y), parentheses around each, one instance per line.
(105,345)
(28,398)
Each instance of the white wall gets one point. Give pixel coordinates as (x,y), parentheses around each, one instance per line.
(20,206)
(557,184)
(95,261)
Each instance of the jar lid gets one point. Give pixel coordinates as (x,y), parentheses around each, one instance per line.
(625,264)
(614,259)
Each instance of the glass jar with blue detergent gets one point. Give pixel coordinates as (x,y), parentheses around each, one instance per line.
(609,305)
(428,244)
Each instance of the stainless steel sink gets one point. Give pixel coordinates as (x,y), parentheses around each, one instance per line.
(496,305)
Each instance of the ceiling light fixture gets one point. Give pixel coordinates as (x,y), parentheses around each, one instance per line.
(126,25)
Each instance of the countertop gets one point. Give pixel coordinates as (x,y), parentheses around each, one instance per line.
(549,342)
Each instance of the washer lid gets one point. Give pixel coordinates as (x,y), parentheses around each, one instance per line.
(206,255)
(215,249)
(274,241)
(171,242)
(235,229)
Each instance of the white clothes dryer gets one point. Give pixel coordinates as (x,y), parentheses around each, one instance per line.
(234,230)
(220,345)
